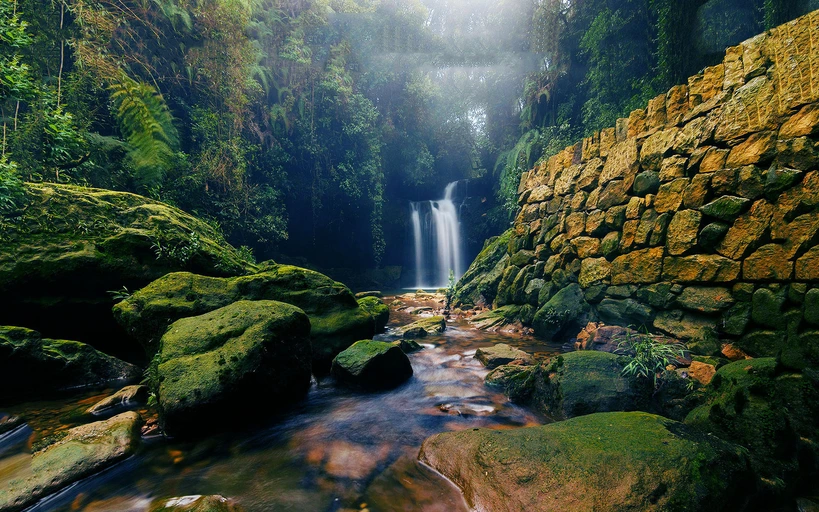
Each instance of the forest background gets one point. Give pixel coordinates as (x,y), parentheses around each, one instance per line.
(300,125)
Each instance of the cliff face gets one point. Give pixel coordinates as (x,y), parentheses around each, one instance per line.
(696,216)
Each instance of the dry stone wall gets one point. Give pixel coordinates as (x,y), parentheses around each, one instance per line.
(696,216)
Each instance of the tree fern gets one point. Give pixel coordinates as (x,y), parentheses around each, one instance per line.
(146,124)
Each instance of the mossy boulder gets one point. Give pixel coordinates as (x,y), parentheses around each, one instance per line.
(372,365)
(480,282)
(773,412)
(379,311)
(575,384)
(214,367)
(336,318)
(72,245)
(408,346)
(82,452)
(501,354)
(32,366)
(564,314)
(495,319)
(197,503)
(619,461)
(422,328)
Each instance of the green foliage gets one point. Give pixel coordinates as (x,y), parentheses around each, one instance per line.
(120,295)
(177,252)
(146,123)
(648,355)
(12,194)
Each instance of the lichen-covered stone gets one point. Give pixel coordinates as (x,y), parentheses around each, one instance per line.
(372,365)
(705,299)
(82,452)
(214,366)
(642,266)
(625,312)
(424,327)
(698,332)
(682,231)
(565,313)
(768,263)
(700,268)
(32,366)
(594,270)
(726,208)
(609,461)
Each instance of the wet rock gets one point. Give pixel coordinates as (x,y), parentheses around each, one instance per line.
(501,354)
(408,346)
(480,282)
(33,366)
(608,461)
(372,365)
(624,312)
(565,313)
(216,365)
(701,372)
(733,353)
(9,423)
(423,327)
(379,311)
(196,503)
(81,452)
(129,396)
(603,338)
(336,318)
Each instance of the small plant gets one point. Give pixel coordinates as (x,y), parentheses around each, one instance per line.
(650,356)
(180,252)
(119,295)
(450,289)
(246,254)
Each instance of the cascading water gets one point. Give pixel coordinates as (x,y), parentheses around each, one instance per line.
(436,229)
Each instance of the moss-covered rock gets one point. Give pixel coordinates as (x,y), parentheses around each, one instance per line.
(422,328)
(495,319)
(372,365)
(336,318)
(33,366)
(408,346)
(583,382)
(564,314)
(481,280)
(774,413)
(609,461)
(379,311)
(72,245)
(83,451)
(501,354)
(127,397)
(213,503)
(214,367)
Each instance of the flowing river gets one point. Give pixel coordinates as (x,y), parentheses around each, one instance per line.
(337,450)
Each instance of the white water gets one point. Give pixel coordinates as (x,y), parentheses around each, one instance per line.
(436,231)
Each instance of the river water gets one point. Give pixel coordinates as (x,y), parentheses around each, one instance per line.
(337,450)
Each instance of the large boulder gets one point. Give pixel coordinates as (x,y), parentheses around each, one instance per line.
(336,318)
(33,366)
(72,245)
(379,311)
(81,452)
(214,367)
(618,461)
(479,284)
(573,384)
(773,412)
(372,365)
(501,354)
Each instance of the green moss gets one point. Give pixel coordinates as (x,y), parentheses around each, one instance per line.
(372,364)
(216,364)
(424,327)
(480,282)
(608,461)
(379,311)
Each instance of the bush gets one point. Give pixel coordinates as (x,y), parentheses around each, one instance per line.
(649,355)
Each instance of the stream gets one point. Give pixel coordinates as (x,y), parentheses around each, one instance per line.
(339,449)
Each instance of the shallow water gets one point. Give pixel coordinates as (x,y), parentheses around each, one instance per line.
(338,449)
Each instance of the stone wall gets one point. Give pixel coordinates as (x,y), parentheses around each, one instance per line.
(696,216)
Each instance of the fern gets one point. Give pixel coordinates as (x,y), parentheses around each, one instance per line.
(146,123)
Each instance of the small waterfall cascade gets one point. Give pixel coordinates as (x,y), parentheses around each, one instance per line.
(436,231)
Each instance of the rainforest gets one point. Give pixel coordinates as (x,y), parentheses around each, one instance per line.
(400,255)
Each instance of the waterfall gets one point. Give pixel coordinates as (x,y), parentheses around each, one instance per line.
(436,230)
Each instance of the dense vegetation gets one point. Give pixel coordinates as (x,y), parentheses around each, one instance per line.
(301,124)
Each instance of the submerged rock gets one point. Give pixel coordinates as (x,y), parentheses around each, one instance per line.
(197,503)
(219,364)
(618,461)
(572,384)
(422,328)
(372,364)
(774,413)
(83,451)
(501,354)
(72,245)
(379,311)
(32,366)
(336,318)
(129,396)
